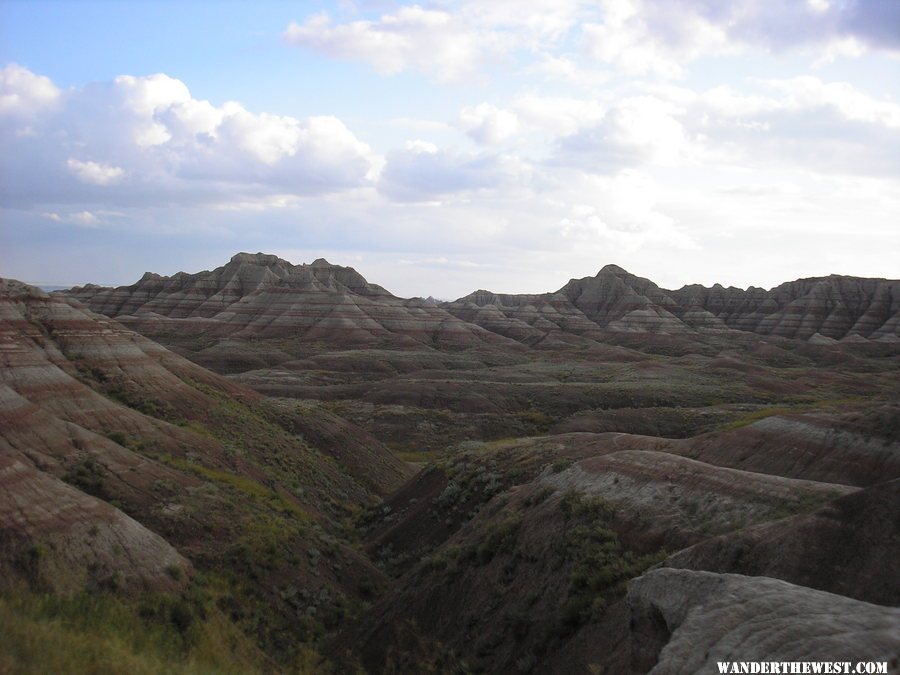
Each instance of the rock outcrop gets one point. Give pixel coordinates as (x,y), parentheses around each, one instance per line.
(685,622)
(844,547)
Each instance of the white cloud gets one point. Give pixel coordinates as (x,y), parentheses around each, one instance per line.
(563,68)
(641,38)
(93,172)
(85,218)
(422,172)
(432,41)
(448,41)
(821,127)
(635,131)
(488,125)
(645,37)
(146,140)
(22,93)
(557,115)
(807,92)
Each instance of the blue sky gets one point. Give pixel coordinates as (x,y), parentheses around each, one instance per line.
(446,146)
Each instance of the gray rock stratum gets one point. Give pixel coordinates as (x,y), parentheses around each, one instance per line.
(685,622)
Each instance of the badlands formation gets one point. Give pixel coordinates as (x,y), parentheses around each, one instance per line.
(272,467)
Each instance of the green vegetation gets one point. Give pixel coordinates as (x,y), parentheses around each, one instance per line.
(245,485)
(805,503)
(103,633)
(89,476)
(416,456)
(127,396)
(762,413)
(600,565)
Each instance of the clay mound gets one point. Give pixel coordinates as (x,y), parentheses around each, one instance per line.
(684,622)
(63,540)
(263,297)
(819,339)
(681,501)
(93,415)
(825,447)
(844,547)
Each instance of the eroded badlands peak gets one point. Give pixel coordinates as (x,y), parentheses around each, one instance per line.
(262,296)
(825,308)
(207,293)
(257,295)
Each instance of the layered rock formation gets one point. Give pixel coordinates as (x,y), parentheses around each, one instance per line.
(121,461)
(61,539)
(840,548)
(701,618)
(262,297)
(614,300)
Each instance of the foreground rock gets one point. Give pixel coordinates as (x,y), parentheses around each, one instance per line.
(845,547)
(685,622)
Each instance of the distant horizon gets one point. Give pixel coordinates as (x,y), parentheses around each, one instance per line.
(48,287)
(451,145)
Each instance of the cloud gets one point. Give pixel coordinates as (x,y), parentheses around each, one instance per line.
(656,37)
(421,172)
(488,125)
(565,68)
(23,94)
(623,212)
(453,41)
(85,218)
(432,41)
(146,140)
(635,131)
(445,42)
(92,172)
(640,37)
(821,127)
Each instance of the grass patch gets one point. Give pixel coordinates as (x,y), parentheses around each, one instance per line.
(761,414)
(103,634)
(244,485)
(416,456)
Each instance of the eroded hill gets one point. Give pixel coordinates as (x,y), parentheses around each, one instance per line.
(553,483)
(126,467)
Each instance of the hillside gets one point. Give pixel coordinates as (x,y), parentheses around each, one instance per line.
(502,483)
(126,467)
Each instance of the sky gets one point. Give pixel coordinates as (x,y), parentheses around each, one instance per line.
(443,147)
